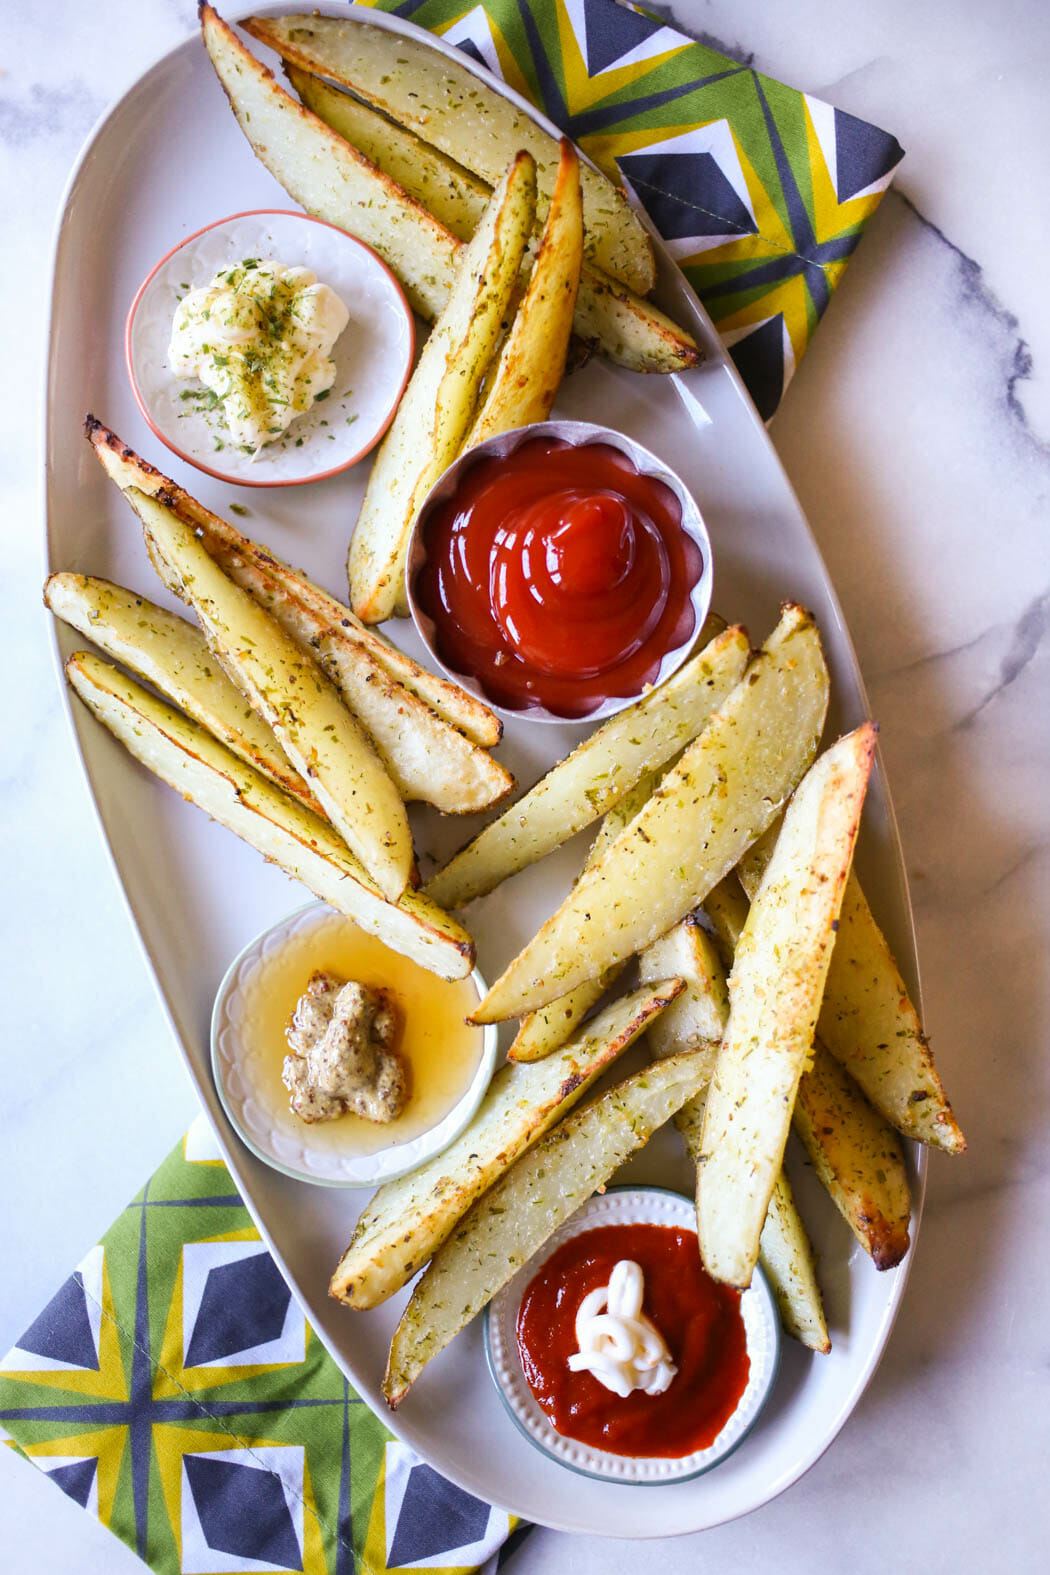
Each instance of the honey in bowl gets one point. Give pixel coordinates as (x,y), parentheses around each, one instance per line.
(441,1050)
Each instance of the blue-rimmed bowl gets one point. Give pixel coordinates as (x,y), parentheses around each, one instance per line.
(629,1206)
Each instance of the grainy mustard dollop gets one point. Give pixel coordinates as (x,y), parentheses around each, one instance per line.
(343,1059)
(260,336)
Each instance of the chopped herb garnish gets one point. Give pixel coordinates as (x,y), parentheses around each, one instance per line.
(270,333)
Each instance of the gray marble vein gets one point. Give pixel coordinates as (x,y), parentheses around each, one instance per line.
(1027,638)
(62,113)
(976,289)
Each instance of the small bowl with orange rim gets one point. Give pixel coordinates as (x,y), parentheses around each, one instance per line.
(371,357)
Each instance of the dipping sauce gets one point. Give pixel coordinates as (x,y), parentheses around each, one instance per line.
(617,1342)
(343,1057)
(558,576)
(699,1320)
(441,1051)
(259,336)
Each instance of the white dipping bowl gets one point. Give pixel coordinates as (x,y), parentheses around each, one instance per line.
(577,434)
(628,1206)
(373,354)
(278,1137)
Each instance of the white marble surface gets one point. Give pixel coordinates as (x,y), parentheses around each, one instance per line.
(918,436)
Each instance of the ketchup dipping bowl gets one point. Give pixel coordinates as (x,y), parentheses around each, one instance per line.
(726,1345)
(559,571)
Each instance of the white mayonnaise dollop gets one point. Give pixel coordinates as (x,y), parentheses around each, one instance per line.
(619,1344)
(259,336)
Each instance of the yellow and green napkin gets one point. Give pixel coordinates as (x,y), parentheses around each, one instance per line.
(761,192)
(173,1388)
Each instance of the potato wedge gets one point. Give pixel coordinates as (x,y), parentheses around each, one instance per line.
(726,906)
(855,1152)
(596,775)
(786,1254)
(209,775)
(408,1219)
(314,728)
(857,1156)
(323,621)
(524,1208)
(523,384)
(696,1021)
(774,992)
(356,176)
(545,1030)
(455,196)
(457,112)
(436,407)
(327,176)
(625,327)
(629,330)
(868,1021)
(708,809)
(173,655)
(698,1015)
(428,760)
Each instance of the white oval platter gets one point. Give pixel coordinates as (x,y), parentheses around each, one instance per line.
(166,159)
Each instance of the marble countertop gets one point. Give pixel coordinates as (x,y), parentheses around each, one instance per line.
(917,433)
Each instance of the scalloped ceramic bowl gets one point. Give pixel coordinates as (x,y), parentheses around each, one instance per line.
(373,354)
(628,1206)
(273,1133)
(577,434)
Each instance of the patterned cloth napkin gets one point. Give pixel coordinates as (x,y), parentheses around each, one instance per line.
(174,1389)
(172,1386)
(760,192)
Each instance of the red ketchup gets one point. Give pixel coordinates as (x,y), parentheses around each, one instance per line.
(700,1322)
(558,577)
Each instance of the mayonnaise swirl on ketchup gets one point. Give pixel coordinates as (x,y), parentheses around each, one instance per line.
(698,1319)
(619,1345)
(558,576)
